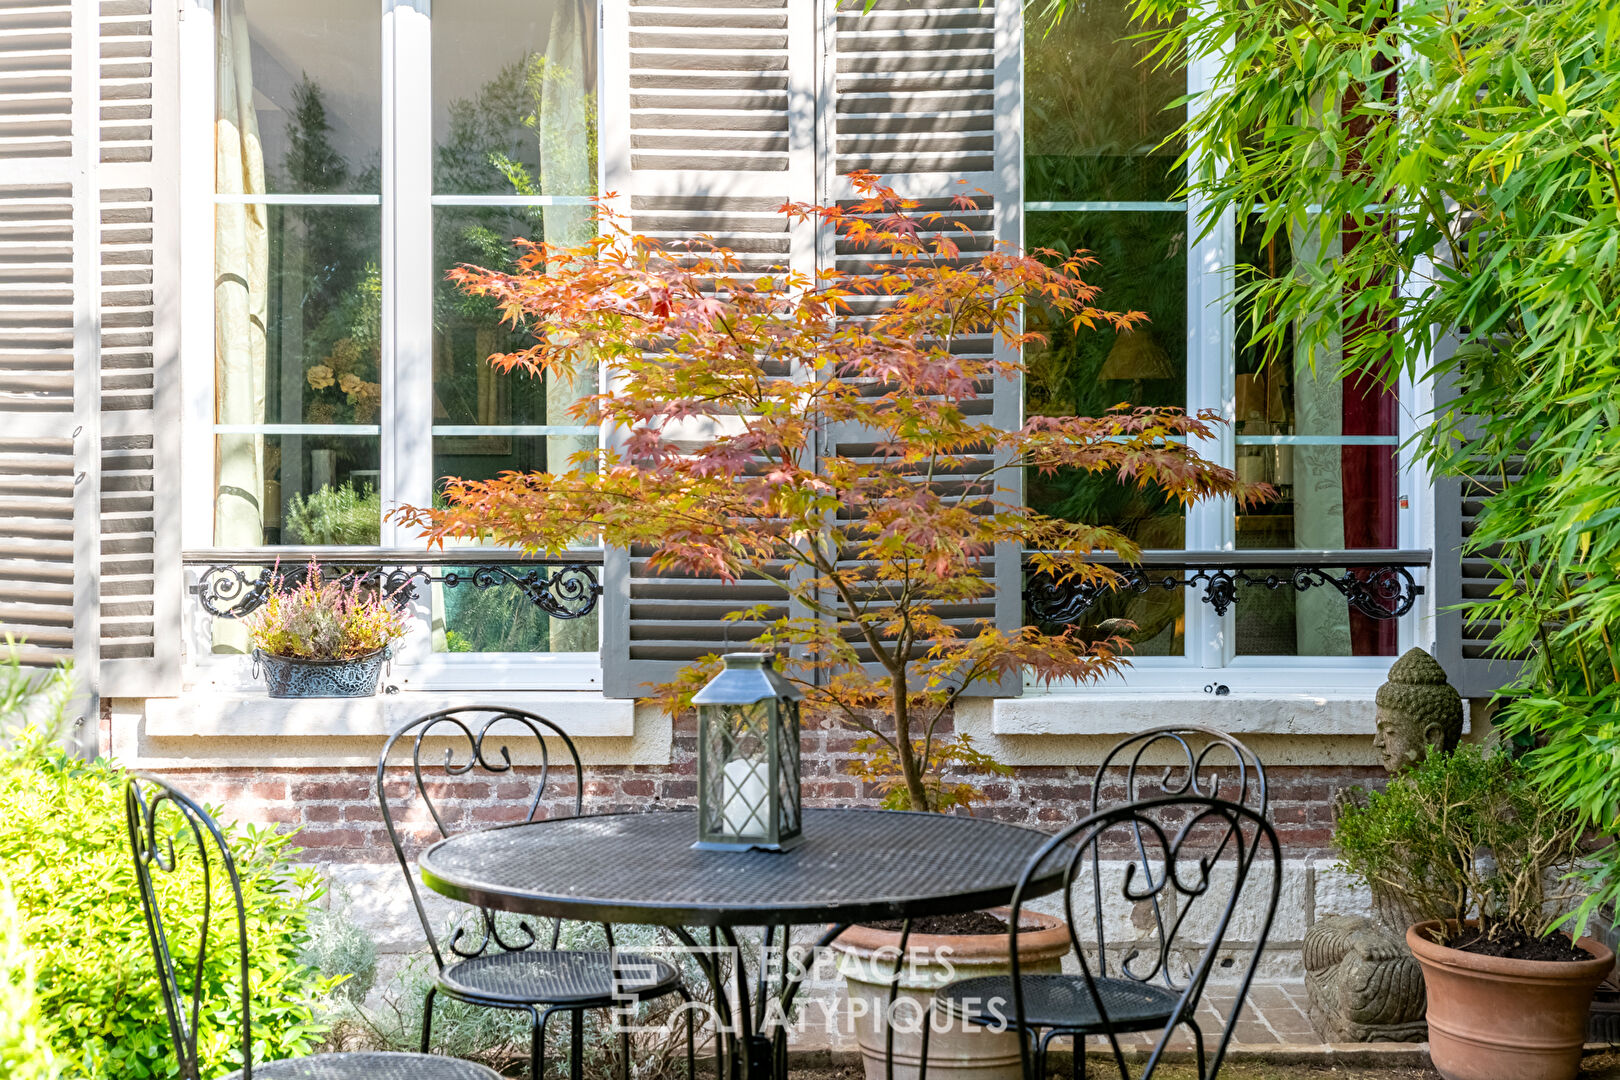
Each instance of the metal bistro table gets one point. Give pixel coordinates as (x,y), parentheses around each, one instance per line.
(853,866)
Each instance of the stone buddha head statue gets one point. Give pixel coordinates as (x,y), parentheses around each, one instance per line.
(1417,709)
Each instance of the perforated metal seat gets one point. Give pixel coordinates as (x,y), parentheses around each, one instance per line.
(371,1067)
(1062,1002)
(560,977)
(487,965)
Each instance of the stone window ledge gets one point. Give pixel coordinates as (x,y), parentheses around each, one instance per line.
(213,714)
(1345,713)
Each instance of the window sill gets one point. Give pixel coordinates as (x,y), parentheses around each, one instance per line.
(210,714)
(1103,713)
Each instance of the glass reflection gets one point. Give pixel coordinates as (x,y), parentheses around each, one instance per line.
(1098,115)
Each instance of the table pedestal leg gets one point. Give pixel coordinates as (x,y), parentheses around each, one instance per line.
(742,1040)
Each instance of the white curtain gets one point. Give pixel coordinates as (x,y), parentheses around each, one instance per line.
(1321,619)
(241,270)
(566,109)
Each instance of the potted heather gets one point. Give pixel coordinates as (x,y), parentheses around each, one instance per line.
(1482,854)
(320,637)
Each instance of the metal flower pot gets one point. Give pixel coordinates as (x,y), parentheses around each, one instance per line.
(293,677)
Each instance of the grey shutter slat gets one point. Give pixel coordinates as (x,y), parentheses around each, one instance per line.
(927,93)
(719,137)
(1464,646)
(48,325)
(140,519)
(916,85)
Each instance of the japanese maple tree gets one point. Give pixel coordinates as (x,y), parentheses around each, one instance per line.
(725,391)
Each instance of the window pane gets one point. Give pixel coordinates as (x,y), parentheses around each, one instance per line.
(1142,266)
(502,619)
(514,90)
(1153,619)
(323,314)
(1096,113)
(297,304)
(467,330)
(299,96)
(313,489)
(471,619)
(1327,443)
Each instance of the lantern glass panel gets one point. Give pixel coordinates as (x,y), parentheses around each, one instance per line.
(787,775)
(739,803)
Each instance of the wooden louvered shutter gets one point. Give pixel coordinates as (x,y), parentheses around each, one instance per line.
(1464,645)
(719,136)
(48,324)
(140,453)
(927,93)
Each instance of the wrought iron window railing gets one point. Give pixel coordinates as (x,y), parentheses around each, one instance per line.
(1379,584)
(232,583)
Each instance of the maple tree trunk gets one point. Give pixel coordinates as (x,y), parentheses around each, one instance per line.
(910,768)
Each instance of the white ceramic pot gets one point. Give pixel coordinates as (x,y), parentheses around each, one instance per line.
(956,1050)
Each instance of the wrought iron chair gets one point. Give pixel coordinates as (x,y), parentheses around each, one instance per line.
(1202,761)
(1184,855)
(507,967)
(165,829)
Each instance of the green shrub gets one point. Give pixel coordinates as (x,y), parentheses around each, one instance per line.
(62,836)
(24,1053)
(1466,835)
(500,1037)
(342,951)
(66,853)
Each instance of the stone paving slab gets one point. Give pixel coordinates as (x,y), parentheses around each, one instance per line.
(1273,1027)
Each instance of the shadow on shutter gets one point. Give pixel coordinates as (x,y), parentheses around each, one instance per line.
(48,464)
(140,541)
(1465,646)
(927,93)
(715,146)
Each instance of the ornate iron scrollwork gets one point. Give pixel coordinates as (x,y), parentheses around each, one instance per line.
(562,591)
(568,592)
(1384,591)
(228,592)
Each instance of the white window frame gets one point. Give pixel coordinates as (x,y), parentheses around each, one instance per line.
(406,365)
(1210,664)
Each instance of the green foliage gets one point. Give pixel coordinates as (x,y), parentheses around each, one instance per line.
(879,765)
(1465,835)
(499,1038)
(24,1052)
(33,704)
(336,516)
(341,951)
(321,619)
(1478,208)
(98,1006)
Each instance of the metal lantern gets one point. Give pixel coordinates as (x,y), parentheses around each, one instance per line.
(748,758)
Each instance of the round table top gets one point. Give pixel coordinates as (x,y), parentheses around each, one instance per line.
(852,866)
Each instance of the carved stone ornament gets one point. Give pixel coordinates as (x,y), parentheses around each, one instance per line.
(1362,981)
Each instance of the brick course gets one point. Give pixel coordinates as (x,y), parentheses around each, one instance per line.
(339,820)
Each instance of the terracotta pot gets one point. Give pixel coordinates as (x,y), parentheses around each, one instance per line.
(956,1051)
(1491,1018)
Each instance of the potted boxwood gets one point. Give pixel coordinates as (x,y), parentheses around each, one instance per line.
(1486,858)
(323,637)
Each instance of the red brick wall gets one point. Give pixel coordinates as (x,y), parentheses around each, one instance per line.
(337,812)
